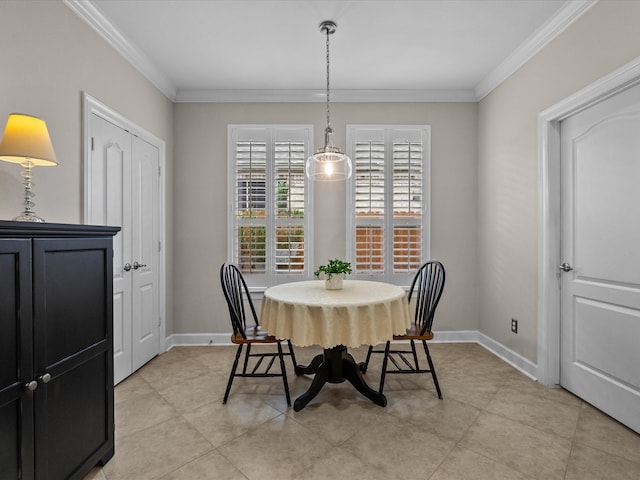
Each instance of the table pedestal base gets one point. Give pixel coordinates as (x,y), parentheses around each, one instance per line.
(335,365)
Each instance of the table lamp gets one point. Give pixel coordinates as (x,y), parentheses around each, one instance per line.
(26,141)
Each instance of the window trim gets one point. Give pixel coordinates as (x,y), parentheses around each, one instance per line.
(269,133)
(388,133)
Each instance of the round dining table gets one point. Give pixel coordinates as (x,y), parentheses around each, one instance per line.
(361,313)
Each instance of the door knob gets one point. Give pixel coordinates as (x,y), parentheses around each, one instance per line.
(31,386)
(565,267)
(137,265)
(127,267)
(45,378)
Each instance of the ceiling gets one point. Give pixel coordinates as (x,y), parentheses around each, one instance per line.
(273,50)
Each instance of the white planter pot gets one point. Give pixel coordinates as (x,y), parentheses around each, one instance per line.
(334,282)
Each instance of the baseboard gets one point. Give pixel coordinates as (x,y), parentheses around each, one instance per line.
(196,339)
(455,336)
(514,359)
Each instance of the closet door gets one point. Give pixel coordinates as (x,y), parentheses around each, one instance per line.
(145,173)
(124,191)
(110,204)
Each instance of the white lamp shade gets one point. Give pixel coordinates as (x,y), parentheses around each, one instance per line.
(27,138)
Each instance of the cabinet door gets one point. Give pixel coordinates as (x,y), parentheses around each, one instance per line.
(72,312)
(16,368)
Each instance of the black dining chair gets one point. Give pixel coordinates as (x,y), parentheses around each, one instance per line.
(426,290)
(237,295)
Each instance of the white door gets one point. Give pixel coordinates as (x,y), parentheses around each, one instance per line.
(600,324)
(145,177)
(124,191)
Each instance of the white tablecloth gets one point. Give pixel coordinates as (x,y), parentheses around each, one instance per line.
(362,313)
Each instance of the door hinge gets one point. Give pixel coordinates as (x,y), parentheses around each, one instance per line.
(159,171)
(159,321)
(92,145)
(159,246)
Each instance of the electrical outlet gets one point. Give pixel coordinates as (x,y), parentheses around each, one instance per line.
(514,325)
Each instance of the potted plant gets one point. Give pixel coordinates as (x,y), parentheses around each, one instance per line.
(333,272)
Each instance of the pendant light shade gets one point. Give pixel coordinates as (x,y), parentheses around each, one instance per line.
(328,163)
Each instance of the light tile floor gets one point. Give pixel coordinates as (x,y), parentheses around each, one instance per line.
(493,423)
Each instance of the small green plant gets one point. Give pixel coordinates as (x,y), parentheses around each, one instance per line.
(334,266)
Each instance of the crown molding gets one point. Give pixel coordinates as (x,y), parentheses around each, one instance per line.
(312,96)
(88,12)
(536,42)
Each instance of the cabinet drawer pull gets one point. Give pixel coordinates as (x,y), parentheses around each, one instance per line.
(46,378)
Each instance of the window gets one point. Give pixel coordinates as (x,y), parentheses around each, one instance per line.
(269,221)
(388,193)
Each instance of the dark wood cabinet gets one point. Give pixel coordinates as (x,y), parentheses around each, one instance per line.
(56,350)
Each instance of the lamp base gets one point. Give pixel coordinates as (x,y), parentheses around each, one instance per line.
(28,217)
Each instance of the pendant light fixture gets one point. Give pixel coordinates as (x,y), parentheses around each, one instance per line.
(328,163)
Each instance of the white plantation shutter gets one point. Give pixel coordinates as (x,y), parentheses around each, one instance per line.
(289,195)
(369,199)
(388,234)
(269,221)
(250,200)
(407,206)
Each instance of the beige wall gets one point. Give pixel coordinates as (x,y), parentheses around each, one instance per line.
(49,56)
(603,39)
(200,191)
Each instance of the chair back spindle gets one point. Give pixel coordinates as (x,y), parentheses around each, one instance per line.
(427,286)
(235,291)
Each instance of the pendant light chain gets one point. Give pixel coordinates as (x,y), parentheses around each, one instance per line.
(328,90)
